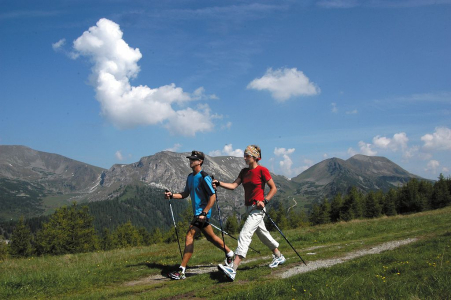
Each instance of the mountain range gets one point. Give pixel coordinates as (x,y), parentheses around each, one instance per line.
(34,183)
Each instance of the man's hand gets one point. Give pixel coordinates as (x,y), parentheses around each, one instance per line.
(168,194)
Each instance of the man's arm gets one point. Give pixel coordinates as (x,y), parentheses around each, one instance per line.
(170,195)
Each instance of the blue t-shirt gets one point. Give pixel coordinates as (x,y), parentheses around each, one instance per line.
(198,188)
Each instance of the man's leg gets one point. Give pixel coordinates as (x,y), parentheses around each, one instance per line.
(187,253)
(189,244)
(213,238)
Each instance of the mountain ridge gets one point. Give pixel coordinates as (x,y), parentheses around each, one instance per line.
(62,180)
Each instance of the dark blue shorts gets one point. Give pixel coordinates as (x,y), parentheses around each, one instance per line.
(198,224)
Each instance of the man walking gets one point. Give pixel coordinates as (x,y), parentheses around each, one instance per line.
(199,188)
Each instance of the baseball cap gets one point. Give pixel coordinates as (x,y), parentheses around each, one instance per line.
(196,155)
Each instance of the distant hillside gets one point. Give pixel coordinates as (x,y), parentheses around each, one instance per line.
(367,173)
(33,183)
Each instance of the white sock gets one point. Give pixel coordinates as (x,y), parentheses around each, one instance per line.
(183,269)
(230,254)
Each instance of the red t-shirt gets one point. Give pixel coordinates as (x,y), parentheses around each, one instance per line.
(254,183)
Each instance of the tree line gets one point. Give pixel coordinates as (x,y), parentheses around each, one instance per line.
(415,196)
(72,229)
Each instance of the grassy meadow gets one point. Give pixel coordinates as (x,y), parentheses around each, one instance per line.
(420,270)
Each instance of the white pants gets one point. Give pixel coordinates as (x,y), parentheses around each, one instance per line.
(254,223)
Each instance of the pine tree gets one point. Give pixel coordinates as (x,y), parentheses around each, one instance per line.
(3,248)
(156,236)
(280,217)
(315,215)
(441,196)
(127,235)
(372,206)
(335,208)
(325,212)
(389,207)
(69,230)
(231,225)
(294,219)
(108,241)
(21,240)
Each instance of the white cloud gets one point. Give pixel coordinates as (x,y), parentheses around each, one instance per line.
(127,106)
(174,148)
(432,166)
(399,141)
(337,3)
(352,152)
(119,155)
(334,108)
(227,151)
(307,164)
(352,112)
(228,125)
(57,46)
(284,84)
(365,149)
(439,140)
(286,163)
(379,3)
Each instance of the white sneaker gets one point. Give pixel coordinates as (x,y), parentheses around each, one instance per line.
(277,261)
(229,272)
(228,262)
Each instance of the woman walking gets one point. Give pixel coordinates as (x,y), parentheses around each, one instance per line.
(253,178)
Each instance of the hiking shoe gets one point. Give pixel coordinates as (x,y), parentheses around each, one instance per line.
(177,275)
(228,262)
(228,271)
(277,261)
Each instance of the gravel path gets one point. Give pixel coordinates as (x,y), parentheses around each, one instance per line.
(326,263)
(311,266)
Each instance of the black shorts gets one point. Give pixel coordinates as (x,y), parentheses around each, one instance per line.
(199,224)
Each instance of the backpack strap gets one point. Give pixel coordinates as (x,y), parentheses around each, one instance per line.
(204,174)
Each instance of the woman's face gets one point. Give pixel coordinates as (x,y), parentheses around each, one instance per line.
(249,159)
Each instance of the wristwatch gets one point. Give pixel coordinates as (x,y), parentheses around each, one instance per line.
(203,214)
(265,201)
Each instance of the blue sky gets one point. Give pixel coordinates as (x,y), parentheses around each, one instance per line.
(108,82)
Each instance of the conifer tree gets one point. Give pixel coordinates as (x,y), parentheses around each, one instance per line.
(127,235)
(69,230)
(156,236)
(372,206)
(108,241)
(389,207)
(231,225)
(3,248)
(21,240)
(280,217)
(335,208)
(441,196)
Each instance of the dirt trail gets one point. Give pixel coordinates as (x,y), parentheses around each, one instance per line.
(327,263)
(289,271)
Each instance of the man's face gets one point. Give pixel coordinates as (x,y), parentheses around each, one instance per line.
(194,162)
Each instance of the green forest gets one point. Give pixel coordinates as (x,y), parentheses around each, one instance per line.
(146,218)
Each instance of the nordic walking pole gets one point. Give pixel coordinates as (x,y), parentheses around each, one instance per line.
(273,223)
(220,220)
(226,233)
(175,226)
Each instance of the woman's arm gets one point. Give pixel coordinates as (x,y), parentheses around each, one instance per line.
(228,186)
(272,192)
